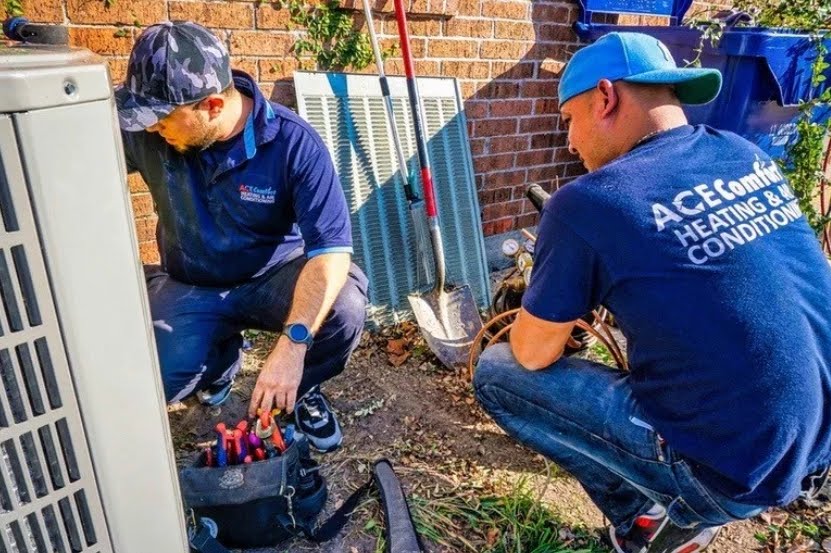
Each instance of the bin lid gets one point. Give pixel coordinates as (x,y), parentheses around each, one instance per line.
(37,77)
(674,9)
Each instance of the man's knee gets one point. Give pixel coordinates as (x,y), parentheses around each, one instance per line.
(496,368)
(348,312)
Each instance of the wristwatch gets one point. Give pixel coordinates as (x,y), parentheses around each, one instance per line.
(299,334)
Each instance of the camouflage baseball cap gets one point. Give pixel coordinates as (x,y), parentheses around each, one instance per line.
(172,64)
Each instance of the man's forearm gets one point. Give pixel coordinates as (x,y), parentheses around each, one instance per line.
(317,287)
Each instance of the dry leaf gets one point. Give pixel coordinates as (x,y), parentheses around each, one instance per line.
(397,347)
(776,518)
(398,360)
(826,545)
(492,536)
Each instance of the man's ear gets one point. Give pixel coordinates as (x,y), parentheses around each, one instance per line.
(608,99)
(214,105)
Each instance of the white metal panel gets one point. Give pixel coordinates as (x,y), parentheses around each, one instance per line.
(348,112)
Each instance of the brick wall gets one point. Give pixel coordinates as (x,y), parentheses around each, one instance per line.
(506,54)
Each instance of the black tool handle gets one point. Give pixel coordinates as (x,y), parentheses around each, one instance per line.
(537,195)
(21,30)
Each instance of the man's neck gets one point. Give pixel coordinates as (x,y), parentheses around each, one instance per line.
(653,122)
(240,108)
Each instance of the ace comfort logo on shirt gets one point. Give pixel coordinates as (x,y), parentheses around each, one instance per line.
(264,195)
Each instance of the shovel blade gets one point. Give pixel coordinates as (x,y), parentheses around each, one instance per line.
(449,322)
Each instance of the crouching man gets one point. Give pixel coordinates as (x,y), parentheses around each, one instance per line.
(692,237)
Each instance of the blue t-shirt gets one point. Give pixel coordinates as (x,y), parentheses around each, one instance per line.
(240,207)
(695,242)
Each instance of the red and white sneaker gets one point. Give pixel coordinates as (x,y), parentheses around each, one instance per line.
(653,532)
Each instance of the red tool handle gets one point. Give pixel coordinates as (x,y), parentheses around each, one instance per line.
(415,107)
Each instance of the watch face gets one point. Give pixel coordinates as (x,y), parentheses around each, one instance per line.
(298,333)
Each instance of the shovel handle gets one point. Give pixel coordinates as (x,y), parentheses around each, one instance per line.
(415,107)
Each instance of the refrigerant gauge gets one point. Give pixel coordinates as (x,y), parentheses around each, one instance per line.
(510,247)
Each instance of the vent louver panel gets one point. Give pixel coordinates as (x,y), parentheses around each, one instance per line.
(49,501)
(348,112)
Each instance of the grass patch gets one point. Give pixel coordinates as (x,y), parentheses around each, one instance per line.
(597,352)
(513,523)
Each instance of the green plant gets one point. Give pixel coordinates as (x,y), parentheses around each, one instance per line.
(14,8)
(331,38)
(805,155)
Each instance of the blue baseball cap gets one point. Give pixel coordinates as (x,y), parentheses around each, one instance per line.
(636,58)
(172,64)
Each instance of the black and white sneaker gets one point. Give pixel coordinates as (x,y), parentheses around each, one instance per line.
(216,394)
(315,419)
(653,532)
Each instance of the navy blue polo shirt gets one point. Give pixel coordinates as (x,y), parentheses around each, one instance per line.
(696,243)
(240,207)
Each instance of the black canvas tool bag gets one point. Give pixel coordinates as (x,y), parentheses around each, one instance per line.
(264,503)
(258,504)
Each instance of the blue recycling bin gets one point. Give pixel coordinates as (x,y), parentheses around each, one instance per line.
(767,72)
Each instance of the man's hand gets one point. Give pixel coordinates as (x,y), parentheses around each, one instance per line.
(279,378)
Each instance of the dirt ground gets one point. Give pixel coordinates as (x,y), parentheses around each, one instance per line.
(425,420)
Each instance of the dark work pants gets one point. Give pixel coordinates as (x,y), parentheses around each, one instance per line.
(199,329)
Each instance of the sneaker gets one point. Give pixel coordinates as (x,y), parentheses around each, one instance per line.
(315,419)
(644,529)
(673,539)
(216,394)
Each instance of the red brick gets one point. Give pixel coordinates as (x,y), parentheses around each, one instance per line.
(423,68)
(469,27)
(552,68)
(542,12)
(148,252)
(424,27)
(118,69)
(512,70)
(573,170)
(505,10)
(515,143)
(283,93)
(444,48)
(506,178)
(466,69)
(546,123)
(501,89)
(477,147)
(247,64)
(534,157)
(556,33)
(469,7)
(514,31)
(537,174)
(504,209)
(548,140)
(562,155)
(136,183)
(509,108)
(269,16)
(476,110)
(486,164)
(539,89)
(146,228)
(102,40)
(260,43)
(38,11)
(546,106)
(417,45)
(495,127)
(142,204)
(224,15)
(504,50)
(498,227)
(528,219)
(654,21)
(127,12)
(271,70)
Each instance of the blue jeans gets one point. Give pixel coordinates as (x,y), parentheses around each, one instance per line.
(582,415)
(198,329)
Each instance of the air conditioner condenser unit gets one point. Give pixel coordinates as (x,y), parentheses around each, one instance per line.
(86,459)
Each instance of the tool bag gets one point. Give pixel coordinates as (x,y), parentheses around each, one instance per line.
(264,503)
(259,504)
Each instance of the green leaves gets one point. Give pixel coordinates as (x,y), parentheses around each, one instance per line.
(14,8)
(331,39)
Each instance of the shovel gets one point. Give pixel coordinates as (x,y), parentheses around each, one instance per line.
(415,204)
(448,318)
